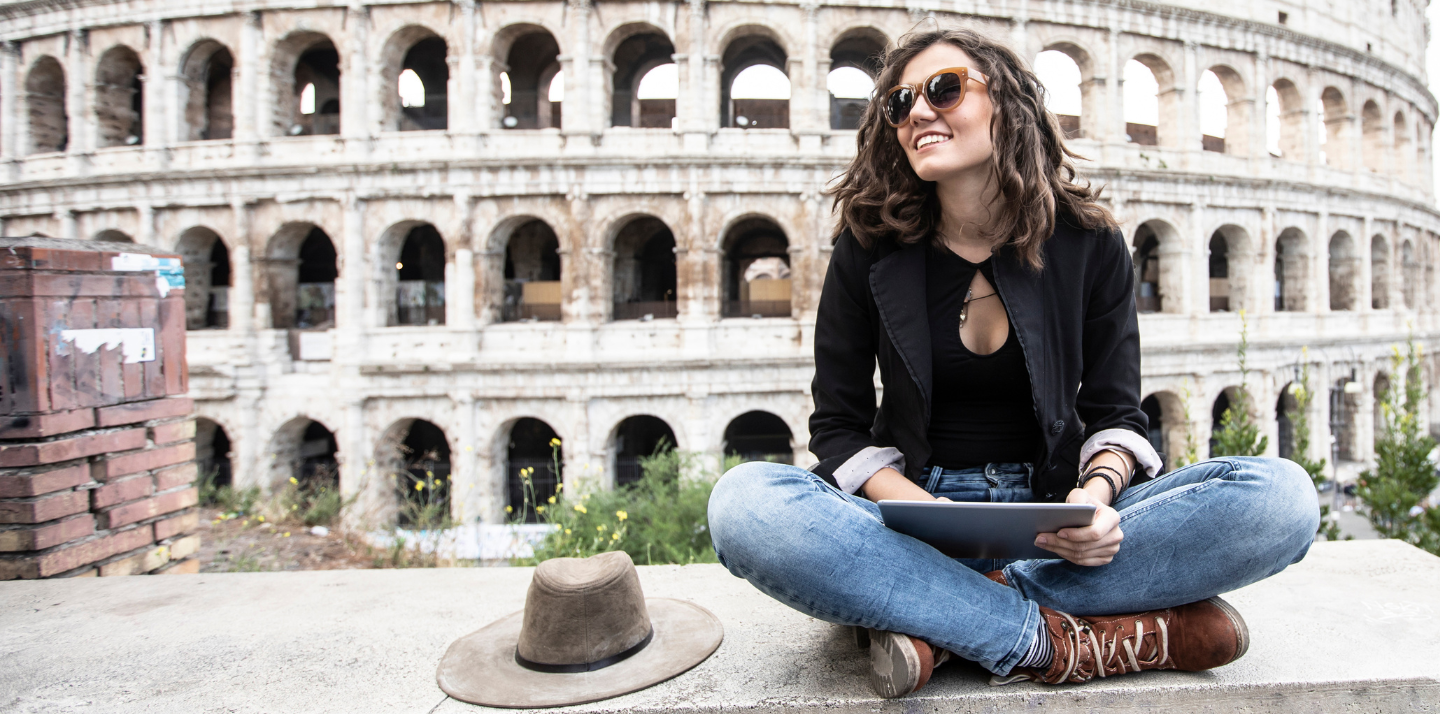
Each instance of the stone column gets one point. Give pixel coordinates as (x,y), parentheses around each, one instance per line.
(697,105)
(10,120)
(68,225)
(1257,132)
(77,105)
(242,295)
(1320,264)
(1189,140)
(577,117)
(486,102)
(1363,295)
(461,313)
(147,227)
(467,482)
(1114,94)
(349,333)
(361,478)
(463,119)
(160,78)
(360,82)
(250,125)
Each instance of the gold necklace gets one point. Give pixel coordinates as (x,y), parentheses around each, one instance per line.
(965,306)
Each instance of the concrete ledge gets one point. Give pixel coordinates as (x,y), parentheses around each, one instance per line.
(1355,627)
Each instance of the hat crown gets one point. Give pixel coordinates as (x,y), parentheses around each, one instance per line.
(583,610)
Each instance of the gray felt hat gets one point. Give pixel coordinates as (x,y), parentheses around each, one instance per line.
(587,633)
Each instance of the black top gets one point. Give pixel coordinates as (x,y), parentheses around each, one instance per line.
(982,409)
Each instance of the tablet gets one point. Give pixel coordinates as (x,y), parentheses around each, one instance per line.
(984,530)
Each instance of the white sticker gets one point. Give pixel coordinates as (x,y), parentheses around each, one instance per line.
(137,344)
(169,273)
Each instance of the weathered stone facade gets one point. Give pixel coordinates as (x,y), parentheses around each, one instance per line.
(370,266)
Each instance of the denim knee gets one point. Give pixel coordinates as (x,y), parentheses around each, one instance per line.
(1293,505)
(739,500)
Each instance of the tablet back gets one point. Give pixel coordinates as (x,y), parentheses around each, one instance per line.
(983,530)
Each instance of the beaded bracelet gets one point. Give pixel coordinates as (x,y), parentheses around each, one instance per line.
(1099,471)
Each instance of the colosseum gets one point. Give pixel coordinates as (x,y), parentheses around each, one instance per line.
(441,235)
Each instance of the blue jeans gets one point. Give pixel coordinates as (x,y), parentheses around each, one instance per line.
(1193,533)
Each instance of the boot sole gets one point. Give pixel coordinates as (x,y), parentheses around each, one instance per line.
(1242,631)
(894,664)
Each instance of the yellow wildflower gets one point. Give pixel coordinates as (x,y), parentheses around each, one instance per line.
(294,506)
(580,507)
(550,499)
(419,485)
(244,523)
(600,528)
(260,518)
(287,534)
(567,531)
(294,482)
(615,536)
(621,515)
(555,442)
(539,509)
(508,509)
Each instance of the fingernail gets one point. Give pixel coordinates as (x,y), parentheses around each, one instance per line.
(1042,540)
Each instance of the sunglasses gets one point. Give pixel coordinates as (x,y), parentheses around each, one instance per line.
(944,90)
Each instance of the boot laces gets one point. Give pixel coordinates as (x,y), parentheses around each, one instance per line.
(1108,653)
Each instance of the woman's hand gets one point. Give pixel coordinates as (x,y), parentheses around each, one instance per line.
(1095,544)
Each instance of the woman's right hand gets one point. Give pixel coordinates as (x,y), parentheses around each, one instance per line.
(889,484)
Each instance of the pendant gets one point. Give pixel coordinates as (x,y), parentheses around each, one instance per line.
(965,308)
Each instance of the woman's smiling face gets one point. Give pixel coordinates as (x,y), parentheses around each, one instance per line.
(948,144)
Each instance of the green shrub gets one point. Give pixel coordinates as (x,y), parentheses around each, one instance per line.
(1300,453)
(1238,434)
(1403,475)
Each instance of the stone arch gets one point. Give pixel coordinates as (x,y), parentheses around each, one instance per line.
(1344,409)
(1403,155)
(1056,65)
(413,256)
(119,98)
(1410,272)
(1236,138)
(531,272)
(1163,132)
(113,235)
(45,96)
(1158,278)
(1379,272)
(303,449)
(634,50)
(413,456)
(644,277)
(1231,255)
(1292,270)
(755,271)
(530,443)
(759,436)
(1167,425)
(1335,113)
(634,438)
(214,453)
(1285,406)
(207,278)
(207,92)
(305,59)
(745,47)
(1372,127)
(301,268)
(1344,272)
(1285,120)
(859,49)
(421,50)
(528,59)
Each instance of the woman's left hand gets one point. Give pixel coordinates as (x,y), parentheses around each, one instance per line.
(1095,544)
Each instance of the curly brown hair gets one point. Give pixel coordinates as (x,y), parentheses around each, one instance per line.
(880,196)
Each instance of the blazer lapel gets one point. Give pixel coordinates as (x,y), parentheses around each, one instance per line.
(898,283)
(1021,289)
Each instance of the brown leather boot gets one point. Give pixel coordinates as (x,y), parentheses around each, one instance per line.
(901,664)
(1191,638)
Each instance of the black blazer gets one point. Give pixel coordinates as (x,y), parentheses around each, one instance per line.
(1076,324)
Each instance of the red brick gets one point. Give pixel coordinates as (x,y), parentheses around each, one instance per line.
(85,367)
(179,525)
(176,477)
(133,373)
(81,554)
(66,285)
(175,431)
(152,558)
(149,460)
(181,567)
(35,426)
(171,336)
(33,258)
(48,535)
(144,411)
(136,511)
(45,508)
(112,390)
(24,380)
(20,484)
(122,491)
(50,452)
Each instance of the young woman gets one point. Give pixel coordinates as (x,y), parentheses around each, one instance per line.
(996,295)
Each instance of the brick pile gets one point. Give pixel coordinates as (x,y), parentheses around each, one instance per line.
(97,451)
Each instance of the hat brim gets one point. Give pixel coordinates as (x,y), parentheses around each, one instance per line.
(480,667)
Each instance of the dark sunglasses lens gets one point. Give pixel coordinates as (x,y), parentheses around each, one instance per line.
(898,104)
(944,90)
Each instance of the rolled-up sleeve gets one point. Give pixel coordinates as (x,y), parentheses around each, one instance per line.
(858,469)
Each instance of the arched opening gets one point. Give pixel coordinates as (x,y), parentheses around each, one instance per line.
(1291,271)
(1344,272)
(206,78)
(1285,408)
(307,75)
(637,60)
(1224,113)
(1156,417)
(1217,417)
(754,89)
(533,454)
(1219,273)
(419,460)
(756,270)
(305,450)
(1381,386)
(45,106)
(1334,129)
(119,98)
(532,274)
(1404,156)
(207,279)
(1168,428)
(644,275)
(111,235)
(1152,273)
(1379,273)
(531,67)
(418,98)
(301,272)
(1410,270)
(1149,98)
(854,65)
(1344,404)
(1372,147)
(1060,73)
(420,278)
(212,453)
(1284,121)
(636,438)
(759,436)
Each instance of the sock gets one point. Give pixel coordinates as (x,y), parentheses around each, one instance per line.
(1041,651)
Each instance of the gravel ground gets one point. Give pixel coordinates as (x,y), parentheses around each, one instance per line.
(244,545)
